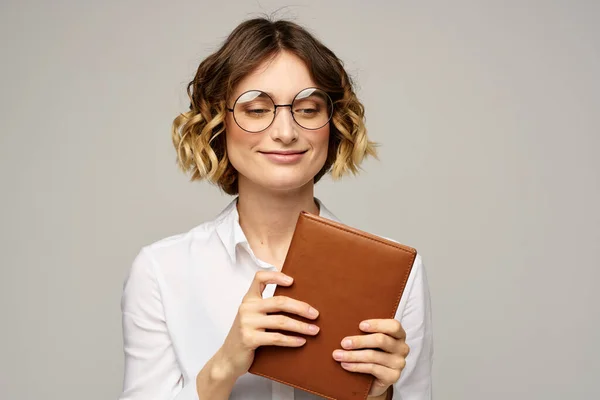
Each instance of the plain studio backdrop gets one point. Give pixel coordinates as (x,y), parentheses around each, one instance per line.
(487,113)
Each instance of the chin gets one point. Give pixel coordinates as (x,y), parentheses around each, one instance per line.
(285,183)
(286,186)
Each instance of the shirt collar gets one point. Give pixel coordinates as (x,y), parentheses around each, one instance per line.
(231,234)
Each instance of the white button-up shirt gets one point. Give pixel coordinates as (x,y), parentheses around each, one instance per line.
(182,295)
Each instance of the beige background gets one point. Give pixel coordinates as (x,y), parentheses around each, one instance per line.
(488,115)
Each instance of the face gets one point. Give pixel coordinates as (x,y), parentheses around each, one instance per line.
(285,156)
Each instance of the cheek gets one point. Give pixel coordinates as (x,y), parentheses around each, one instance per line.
(236,138)
(321,140)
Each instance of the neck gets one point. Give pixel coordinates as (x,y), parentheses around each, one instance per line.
(268,218)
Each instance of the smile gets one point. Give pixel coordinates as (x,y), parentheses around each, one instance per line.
(284,157)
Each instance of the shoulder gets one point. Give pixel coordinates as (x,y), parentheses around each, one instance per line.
(169,257)
(152,257)
(175,246)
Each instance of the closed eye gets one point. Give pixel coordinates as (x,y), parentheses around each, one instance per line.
(306,111)
(257,112)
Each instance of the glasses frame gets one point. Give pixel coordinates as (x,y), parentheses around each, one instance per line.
(231,110)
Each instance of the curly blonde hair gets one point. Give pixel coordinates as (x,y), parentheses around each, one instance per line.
(199,134)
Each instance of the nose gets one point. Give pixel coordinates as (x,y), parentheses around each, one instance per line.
(283,127)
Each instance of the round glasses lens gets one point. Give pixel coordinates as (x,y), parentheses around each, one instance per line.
(312,108)
(254,111)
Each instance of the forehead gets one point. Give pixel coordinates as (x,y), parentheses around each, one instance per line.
(282,76)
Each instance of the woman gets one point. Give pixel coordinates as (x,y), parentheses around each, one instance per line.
(271,112)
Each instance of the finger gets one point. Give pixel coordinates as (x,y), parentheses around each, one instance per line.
(283,323)
(388,360)
(263,278)
(383,374)
(277,339)
(389,327)
(283,303)
(371,341)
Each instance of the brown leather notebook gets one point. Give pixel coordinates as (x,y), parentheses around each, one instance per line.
(349,276)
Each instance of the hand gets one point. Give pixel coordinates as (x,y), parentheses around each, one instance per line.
(381,353)
(248,329)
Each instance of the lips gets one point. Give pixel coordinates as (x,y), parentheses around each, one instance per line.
(285,152)
(284,156)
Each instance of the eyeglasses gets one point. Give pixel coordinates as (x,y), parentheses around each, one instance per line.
(254,110)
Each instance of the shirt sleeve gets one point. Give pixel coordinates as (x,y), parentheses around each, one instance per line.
(415,381)
(151,367)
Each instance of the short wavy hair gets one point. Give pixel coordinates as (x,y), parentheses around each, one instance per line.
(199,134)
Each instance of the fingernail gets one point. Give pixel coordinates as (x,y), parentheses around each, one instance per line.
(347,343)
(300,340)
(312,312)
(313,328)
(338,354)
(364,325)
(288,279)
